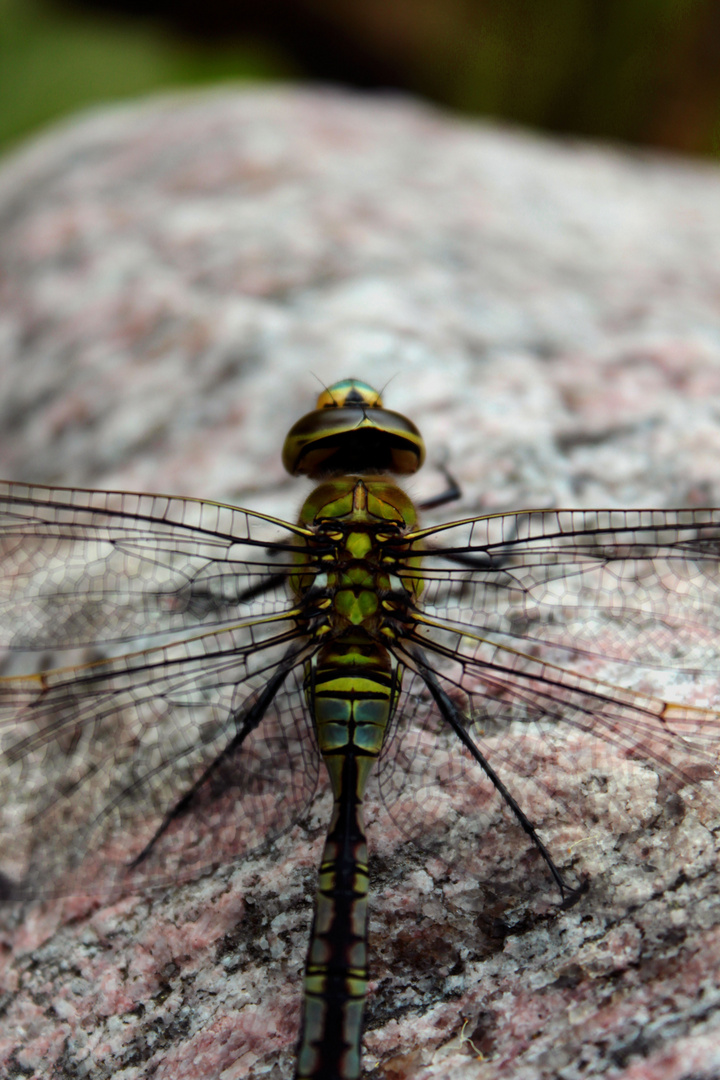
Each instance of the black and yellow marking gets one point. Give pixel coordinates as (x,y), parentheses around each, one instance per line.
(351,689)
(357,523)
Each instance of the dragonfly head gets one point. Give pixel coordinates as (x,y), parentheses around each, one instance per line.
(350,431)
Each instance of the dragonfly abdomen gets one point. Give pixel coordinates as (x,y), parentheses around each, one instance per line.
(351,691)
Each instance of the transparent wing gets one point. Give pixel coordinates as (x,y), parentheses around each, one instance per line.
(150,751)
(154,756)
(574,645)
(556,635)
(640,587)
(91,567)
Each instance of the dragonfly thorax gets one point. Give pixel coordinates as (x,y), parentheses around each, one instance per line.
(351,500)
(353,552)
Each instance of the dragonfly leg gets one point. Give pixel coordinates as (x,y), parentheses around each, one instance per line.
(456,720)
(451,493)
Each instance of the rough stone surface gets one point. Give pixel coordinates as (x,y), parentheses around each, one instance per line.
(176,277)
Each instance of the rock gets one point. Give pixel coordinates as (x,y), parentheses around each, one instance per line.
(177,278)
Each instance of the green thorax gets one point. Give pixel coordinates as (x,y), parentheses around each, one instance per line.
(357,551)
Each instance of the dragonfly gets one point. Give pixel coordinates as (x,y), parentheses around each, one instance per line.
(217,661)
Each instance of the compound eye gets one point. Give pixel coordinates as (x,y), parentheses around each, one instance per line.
(351,432)
(348,394)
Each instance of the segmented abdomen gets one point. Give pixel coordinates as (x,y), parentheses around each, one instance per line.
(351,688)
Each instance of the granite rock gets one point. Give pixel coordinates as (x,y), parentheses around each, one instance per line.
(177,277)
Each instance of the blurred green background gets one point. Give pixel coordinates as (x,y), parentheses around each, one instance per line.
(639,71)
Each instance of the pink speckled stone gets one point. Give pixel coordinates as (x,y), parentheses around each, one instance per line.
(176,278)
